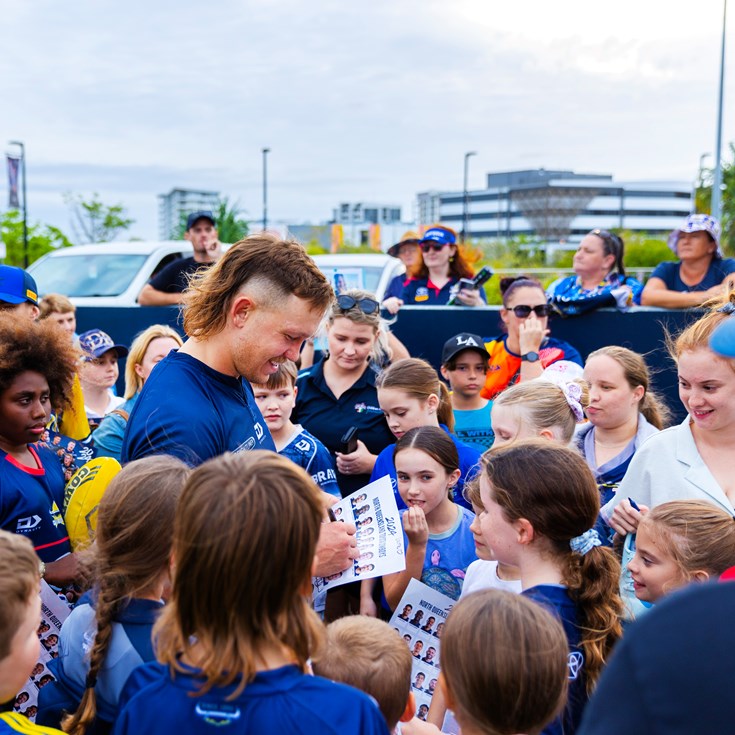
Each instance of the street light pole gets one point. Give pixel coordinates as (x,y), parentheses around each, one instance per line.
(717,180)
(466,199)
(266,151)
(25,200)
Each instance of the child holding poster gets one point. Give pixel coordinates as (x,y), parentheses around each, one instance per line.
(439,543)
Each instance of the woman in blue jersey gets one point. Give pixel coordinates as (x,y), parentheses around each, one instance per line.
(37,367)
(540,502)
(701,271)
(435,276)
(599,278)
(411,395)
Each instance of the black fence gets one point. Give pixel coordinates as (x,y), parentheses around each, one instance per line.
(424,329)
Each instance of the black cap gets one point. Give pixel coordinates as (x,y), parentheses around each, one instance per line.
(460,343)
(191,220)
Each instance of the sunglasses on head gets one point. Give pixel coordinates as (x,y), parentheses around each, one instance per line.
(432,245)
(366,305)
(522,310)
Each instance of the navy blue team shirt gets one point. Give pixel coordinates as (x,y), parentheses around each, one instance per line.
(308,452)
(557,601)
(283,700)
(328,418)
(193,412)
(31,501)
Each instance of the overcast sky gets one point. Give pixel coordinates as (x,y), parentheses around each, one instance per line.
(370,101)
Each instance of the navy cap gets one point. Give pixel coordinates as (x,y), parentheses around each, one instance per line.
(95,342)
(439,234)
(191,220)
(17,286)
(460,343)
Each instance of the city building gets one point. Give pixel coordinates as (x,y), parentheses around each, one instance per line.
(177,204)
(558,206)
(368,224)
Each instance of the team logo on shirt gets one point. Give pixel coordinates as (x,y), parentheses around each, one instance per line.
(364,408)
(422,294)
(303,445)
(575,662)
(56,517)
(247,445)
(25,525)
(217,713)
(258,431)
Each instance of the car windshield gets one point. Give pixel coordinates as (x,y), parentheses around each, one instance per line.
(104,274)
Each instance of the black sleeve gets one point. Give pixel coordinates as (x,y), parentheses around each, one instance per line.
(169,279)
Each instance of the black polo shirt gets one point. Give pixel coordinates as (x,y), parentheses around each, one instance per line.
(174,278)
(328,418)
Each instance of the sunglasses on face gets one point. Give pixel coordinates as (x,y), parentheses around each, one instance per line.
(522,311)
(435,246)
(366,306)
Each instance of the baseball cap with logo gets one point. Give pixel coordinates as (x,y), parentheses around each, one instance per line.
(17,286)
(194,217)
(460,343)
(440,234)
(94,343)
(698,223)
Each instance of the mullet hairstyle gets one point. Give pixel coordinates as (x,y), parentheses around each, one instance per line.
(432,441)
(131,551)
(553,488)
(245,535)
(504,658)
(368,654)
(19,580)
(698,535)
(40,348)
(696,336)
(636,373)
(418,379)
(274,269)
(133,381)
(544,405)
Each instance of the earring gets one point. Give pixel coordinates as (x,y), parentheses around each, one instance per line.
(451,259)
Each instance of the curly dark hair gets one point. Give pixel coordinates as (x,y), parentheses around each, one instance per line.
(42,348)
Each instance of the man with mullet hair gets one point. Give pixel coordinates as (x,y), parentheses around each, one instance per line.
(245,315)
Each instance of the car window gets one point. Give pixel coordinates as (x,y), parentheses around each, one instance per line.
(106,274)
(370,276)
(166,261)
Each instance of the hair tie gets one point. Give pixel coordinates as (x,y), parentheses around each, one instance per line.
(728,308)
(90,682)
(586,542)
(573,393)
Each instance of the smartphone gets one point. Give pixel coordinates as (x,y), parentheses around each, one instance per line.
(348,442)
(467,284)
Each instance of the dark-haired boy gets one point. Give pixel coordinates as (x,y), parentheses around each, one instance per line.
(464,366)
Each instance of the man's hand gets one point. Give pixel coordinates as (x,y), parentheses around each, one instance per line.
(625,517)
(62,572)
(336,549)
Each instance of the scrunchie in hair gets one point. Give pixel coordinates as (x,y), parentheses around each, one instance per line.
(573,393)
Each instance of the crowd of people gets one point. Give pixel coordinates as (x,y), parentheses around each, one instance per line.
(546,494)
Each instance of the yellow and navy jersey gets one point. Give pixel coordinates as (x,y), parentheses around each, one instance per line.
(12,722)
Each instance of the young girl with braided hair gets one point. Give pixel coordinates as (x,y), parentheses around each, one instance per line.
(540,503)
(108,634)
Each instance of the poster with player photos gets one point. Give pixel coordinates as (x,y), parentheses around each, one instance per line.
(54,611)
(420,617)
(379,535)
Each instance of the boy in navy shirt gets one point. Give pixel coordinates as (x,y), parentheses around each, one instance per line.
(276,400)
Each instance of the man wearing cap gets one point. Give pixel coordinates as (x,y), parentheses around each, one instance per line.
(701,272)
(407,251)
(465,363)
(18,292)
(166,287)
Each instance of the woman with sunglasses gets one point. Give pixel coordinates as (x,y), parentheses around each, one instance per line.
(435,276)
(526,349)
(701,272)
(599,278)
(339,392)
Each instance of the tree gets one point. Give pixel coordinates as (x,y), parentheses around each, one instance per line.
(230,225)
(94,221)
(41,238)
(703,198)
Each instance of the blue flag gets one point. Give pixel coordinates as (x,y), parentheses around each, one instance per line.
(13,165)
